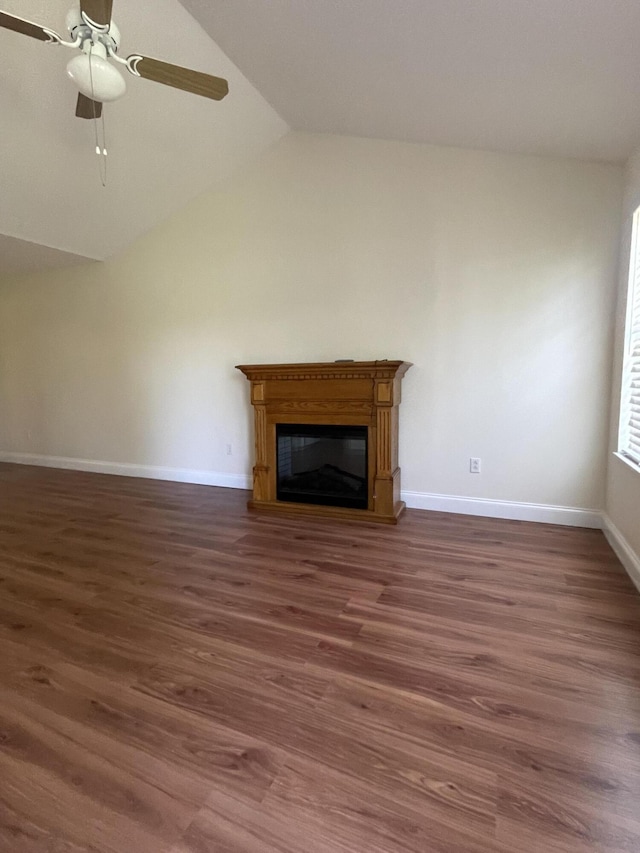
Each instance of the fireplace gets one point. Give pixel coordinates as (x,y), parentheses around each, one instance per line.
(326,438)
(322,464)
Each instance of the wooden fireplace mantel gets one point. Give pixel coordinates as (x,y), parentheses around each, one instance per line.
(350,393)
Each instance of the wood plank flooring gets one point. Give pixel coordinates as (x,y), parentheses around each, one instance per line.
(180,676)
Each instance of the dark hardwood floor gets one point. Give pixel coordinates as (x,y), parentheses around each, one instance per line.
(180,676)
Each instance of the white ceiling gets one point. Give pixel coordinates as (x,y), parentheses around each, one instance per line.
(165,146)
(550,77)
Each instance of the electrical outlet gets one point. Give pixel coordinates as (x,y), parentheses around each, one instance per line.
(474,465)
(229,450)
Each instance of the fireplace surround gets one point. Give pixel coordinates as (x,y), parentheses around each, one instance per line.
(362,398)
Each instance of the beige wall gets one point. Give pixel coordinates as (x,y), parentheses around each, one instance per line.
(492,273)
(623,480)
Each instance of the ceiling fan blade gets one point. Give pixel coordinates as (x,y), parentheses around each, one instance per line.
(98,10)
(19,25)
(86,108)
(180,78)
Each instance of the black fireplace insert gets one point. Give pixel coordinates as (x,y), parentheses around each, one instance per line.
(322,464)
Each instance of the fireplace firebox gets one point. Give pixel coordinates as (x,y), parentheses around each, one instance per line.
(322,464)
(326,438)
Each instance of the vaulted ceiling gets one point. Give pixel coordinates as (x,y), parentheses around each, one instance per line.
(550,77)
(545,77)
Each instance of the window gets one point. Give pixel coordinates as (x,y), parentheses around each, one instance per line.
(630,402)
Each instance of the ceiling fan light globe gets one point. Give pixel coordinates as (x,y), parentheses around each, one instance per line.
(96,78)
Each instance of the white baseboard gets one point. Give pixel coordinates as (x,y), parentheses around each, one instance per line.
(127,469)
(514,510)
(623,550)
(548,514)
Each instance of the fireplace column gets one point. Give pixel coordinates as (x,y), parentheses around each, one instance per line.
(386,484)
(262,490)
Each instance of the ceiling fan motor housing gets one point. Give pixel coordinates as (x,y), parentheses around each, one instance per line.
(77,26)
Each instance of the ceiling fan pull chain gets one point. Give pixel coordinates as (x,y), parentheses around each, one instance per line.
(104,138)
(100,150)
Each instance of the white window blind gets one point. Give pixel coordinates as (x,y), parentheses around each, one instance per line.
(630,408)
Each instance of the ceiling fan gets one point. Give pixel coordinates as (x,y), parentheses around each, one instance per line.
(93,32)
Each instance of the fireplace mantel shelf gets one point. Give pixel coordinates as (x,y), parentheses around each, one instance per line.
(327,370)
(348,393)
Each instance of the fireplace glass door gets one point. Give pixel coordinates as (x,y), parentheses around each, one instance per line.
(322,464)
